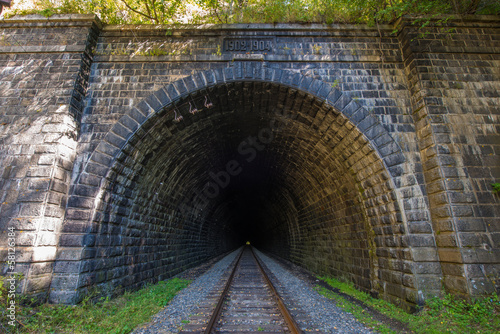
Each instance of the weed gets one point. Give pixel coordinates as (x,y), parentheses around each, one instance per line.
(356,310)
(448,314)
(218,52)
(96,315)
(155,51)
(119,52)
(3,41)
(496,188)
(47,12)
(317,49)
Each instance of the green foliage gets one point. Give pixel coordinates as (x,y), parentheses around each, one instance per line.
(448,314)
(496,188)
(119,315)
(155,51)
(48,12)
(154,11)
(467,317)
(488,7)
(106,10)
(218,52)
(262,11)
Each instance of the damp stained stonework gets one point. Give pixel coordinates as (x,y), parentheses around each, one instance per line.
(129,154)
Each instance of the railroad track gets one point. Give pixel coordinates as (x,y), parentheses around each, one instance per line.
(249,303)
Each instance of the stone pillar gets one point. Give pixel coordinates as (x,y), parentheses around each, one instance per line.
(454,82)
(44,66)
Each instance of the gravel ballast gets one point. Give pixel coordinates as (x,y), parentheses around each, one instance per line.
(169,320)
(314,312)
(321,313)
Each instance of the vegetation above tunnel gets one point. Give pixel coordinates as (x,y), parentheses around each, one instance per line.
(257,11)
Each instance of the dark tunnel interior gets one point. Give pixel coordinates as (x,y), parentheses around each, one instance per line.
(247,161)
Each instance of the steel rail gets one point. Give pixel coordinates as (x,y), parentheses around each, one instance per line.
(218,308)
(292,325)
(290,322)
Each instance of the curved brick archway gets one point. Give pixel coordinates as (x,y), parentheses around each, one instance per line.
(341,208)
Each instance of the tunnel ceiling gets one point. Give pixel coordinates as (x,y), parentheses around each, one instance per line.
(283,147)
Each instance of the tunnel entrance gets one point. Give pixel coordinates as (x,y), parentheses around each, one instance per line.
(242,161)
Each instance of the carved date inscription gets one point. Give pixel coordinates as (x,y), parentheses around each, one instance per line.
(253,45)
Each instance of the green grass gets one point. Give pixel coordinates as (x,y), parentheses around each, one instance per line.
(448,314)
(118,315)
(358,312)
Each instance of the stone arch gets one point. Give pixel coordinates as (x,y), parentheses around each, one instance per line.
(373,166)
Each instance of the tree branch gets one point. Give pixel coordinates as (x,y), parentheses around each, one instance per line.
(154,10)
(147,8)
(217,14)
(136,11)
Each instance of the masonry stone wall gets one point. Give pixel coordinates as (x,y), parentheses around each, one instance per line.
(379,173)
(456,109)
(43,81)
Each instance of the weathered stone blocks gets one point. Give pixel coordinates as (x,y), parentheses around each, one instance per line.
(372,177)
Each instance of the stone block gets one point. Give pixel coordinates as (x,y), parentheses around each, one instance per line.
(84,191)
(429,284)
(36,196)
(31,210)
(154,103)
(115,140)
(65,282)
(63,297)
(59,187)
(71,240)
(121,131)
(46,239)
(425,254)
(80,202)
(38,284)
(418,240)
(25,239)
(453,269)
(470,225)
(38,269)
(452,255)
(416,225)
(67,267)
(481,286)
(455,284)
(427,268)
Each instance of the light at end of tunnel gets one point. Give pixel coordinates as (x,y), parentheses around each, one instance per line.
(248,242)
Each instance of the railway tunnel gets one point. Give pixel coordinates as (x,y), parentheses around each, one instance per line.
(357,155)
(248,160)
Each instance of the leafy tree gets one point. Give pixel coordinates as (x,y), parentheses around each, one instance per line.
(261,11)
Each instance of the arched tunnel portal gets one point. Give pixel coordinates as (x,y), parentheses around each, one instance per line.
(291,165)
